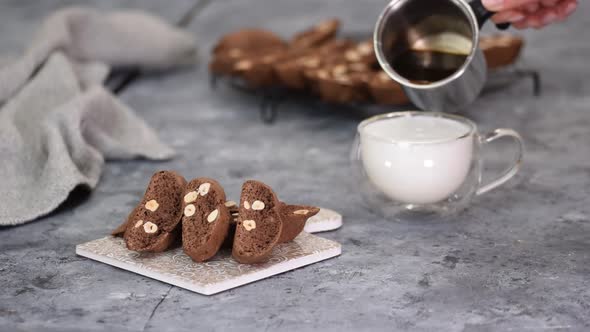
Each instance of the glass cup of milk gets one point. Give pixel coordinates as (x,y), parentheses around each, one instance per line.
(427,164)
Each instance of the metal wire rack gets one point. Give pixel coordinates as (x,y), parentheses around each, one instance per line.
(271,98)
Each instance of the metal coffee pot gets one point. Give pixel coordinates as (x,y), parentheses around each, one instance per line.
(438,39)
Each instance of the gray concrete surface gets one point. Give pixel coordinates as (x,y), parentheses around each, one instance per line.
(518,260)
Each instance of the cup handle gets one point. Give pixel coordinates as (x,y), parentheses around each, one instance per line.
(483,14)
(512,170)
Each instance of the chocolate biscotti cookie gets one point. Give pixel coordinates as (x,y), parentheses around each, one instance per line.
(223,63)
(291,73)
(240,45)
(386,91)
(257,70)
(249,40)
(153,225)
(316,35)
(291,69)
(259,223)
(362,52)
(206,218)
(342,84)
(501,50)
(335,46)
(120,231)
(294,218)
(233,221)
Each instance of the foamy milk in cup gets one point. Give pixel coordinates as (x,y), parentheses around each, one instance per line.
(424,161)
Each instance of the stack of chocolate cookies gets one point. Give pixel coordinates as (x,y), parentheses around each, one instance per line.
(315,61)
(198,214)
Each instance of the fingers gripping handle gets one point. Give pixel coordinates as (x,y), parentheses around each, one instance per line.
(482,15)
(512,170)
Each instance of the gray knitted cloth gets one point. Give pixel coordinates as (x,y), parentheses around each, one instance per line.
(58,124)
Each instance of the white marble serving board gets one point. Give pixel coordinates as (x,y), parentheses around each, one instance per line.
(217,275)
(325,220)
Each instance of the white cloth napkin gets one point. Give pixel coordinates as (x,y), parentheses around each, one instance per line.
(58,124)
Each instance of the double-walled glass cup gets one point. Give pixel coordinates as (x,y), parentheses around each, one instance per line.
(424,164)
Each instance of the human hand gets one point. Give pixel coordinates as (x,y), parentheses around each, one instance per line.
(530,13)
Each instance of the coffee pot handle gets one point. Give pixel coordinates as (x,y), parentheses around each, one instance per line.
(513,169)
(482,15)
